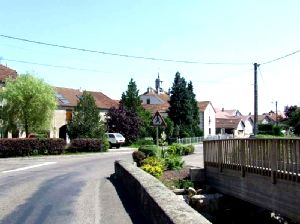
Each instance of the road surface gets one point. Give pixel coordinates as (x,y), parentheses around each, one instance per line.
(64,189)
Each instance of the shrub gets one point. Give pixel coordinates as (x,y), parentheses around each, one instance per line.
(138,157)
(153,166)
(189,149)
(176,149)
(86,145)
(145,141)
(33,146)
(173,162)
(150,150)
(180,150)
(184,184)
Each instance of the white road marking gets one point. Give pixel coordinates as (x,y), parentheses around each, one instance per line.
(29,167)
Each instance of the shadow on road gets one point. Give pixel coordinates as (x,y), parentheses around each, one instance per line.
(129,204)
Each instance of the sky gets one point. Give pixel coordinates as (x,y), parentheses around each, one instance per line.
(225,38)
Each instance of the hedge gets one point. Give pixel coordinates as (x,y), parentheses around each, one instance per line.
(12,147)
(86,145)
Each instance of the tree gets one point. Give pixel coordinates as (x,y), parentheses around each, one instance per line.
(183,110)
(288,110)
(195,128)
(86,122)
(294,121)
(123,121)
(130,100)
(29,104)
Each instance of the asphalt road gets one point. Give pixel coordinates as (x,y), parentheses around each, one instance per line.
(64,189)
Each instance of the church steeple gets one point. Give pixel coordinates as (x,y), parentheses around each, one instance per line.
(158,85)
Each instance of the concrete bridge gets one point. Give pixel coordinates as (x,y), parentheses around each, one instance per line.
(265,172)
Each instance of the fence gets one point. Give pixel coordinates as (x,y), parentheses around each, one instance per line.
(193,140)
(277,158)
(197,140)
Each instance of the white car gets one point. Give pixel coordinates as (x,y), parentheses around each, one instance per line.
(115,139)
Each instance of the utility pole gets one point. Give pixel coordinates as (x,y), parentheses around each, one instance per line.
(276,114)
(255,99)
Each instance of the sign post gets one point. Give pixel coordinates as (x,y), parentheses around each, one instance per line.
(157,121)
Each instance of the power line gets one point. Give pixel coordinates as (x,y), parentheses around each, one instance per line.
(50,65)
(118,54)
(282,57)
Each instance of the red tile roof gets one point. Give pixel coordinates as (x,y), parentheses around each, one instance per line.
(230,123)
(162,108)
(6,72)
(103,101)
(202,105)
(69,97)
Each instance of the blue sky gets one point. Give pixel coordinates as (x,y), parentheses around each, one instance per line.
(195,30)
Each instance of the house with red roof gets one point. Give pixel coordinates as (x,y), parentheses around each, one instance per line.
(67,100)
(6,72)
(234,123)
(158,100)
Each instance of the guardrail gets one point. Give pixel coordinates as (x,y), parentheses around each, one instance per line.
(277,158)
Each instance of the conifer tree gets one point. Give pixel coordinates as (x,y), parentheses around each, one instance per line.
(86,121)
(183,110)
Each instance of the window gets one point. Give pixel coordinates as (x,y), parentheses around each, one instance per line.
(62,99)
(68,115)
(209,131)
(148,101)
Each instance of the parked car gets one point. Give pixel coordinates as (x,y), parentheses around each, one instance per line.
(115,139)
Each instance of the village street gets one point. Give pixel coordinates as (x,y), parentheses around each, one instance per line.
(64,189)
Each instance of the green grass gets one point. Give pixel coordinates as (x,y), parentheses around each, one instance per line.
(273,136)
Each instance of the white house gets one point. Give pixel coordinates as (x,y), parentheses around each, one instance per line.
(207,118)
(158,100)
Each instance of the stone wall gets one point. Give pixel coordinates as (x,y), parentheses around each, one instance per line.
(157,202)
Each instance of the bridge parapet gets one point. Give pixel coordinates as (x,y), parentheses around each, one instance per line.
(265,172)
(277,158)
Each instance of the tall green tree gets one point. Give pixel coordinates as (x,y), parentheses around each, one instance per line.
(195,127)
(86,122)
(183,110)
(130,100)
(29,104)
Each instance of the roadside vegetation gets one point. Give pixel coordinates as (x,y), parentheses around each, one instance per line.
(156,160)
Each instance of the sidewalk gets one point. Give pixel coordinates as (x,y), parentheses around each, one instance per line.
(195,159)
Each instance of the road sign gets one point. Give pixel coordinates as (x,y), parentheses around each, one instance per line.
(157,119)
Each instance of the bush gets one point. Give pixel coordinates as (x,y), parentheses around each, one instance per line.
(33,146)
(153,166)
(86,145)
(184,184)
(277,131)
(150,150)
(189,149)
(173,162)
(145,141)
(180,150)
(138,157)
(176,149)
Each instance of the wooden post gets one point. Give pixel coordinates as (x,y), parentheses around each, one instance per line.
(220,155)
(242,156)
(157,135)
(273,160)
